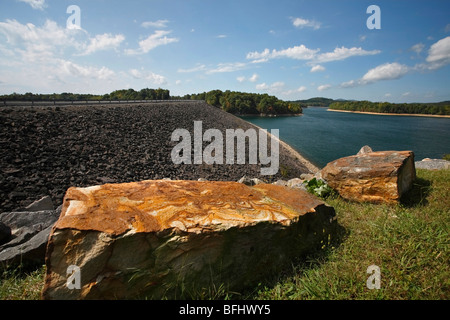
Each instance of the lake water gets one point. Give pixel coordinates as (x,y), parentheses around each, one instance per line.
(322,136)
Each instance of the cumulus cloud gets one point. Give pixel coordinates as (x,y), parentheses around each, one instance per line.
(298,90)
(438,57)
(275,87)
(253,78)
(71,69)
(302,23)
(297,52)
(35,4)
(155,24)
(227,67)
(323,87)
(317,68)
(303,53)
(103,42)
(387,71)
(40,57)
(417,48)
(344,53)
(158,38)
(149,76)
(439,54)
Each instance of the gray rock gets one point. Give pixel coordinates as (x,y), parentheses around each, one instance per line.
(432,164)
(30,251)
(29,235)
(42,204)
(280,183)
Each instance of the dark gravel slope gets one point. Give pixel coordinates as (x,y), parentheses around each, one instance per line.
(45,150)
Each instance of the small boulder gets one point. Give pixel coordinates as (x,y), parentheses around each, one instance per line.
(29,235)
(377,177)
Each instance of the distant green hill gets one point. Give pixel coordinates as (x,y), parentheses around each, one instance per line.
(317,102)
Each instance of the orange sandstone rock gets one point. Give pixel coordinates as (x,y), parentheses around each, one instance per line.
(152,238)
(377,177)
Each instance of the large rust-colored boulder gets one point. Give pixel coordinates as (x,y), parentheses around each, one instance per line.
(377,177)
(175,239)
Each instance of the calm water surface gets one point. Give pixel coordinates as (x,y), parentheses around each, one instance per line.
(322,136)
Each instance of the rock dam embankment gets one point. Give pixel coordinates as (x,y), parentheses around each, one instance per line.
(46,150)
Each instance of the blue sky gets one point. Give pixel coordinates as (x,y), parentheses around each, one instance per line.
(290,49)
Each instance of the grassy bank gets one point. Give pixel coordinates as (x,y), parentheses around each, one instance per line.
(409,242)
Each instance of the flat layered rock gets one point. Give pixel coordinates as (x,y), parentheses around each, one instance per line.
(377,177)
(173,239)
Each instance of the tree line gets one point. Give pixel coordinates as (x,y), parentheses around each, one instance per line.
(124,94)
(242,103)
(440,108)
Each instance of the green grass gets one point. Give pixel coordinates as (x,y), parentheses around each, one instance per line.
(21,283)
(409,242)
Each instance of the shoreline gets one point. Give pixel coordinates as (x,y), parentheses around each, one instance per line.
(393,114)
(309,165)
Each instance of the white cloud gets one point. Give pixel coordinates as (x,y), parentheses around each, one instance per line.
(200,67)
(104,42)
(344,53)
(323,87)
(303,53)
(35,4)
(254,78)
(155,24)
(302,23)
(221,36)
(158,38)
(387,71)
(39,58)
(48,37)
(297,52)
(317,68)
(417,48)
(439,54)
(275,87)
(227,67)
(149,76)
(68,68)
(298,90)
